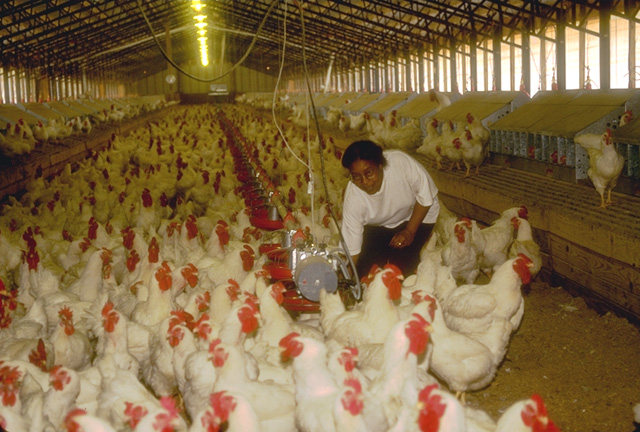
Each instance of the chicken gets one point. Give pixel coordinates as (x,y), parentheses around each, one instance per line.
(112,340)
(460,361)
(165,417)
(605,163)
(474,151)
(436,410)
(446,147)
(183,342)
(124,400)
(625,118)
(397,383)
(319,396)
(529,415)
(236,264)
(493,242)
(14,143)
(333,115)
(315,388)
(473,308)
(79,418)
(458,253)
(525,244)
(276,324)
(349,409)
(61,396)
(431,142)
(274,404)
(71,347)
(357,122)
(200,377)
(440,98)
(477,130)
(226,411)
(40,133)
(158,371)
(32,401)
(373,318)
(407,137)
(159,302)
(344,123)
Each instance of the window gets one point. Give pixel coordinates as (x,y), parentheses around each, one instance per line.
(619,52)
(505,67)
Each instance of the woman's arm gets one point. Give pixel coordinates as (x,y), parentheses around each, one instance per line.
(405,237)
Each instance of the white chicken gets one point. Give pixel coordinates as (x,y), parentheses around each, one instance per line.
(529,415)
(71,347)
(61,396)
(493,242)
(373,319)
(473,308)
(397,383)
(226,411)
(605,163)
(315,388)
(461,362)
(274,404)
(525,244)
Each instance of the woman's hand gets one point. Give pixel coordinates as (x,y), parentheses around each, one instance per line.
(402,239)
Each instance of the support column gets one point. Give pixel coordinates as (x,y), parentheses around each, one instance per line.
(526,61)
(605,44)
(473,59)
(497,60)
(561,52)
(632,58)
(436,67)
(582,40)
(453,69)
(408,69)
(420,82)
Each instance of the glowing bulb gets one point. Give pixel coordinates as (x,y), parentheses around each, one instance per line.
(200,18)
(201,25)
(202,32)
(196,5)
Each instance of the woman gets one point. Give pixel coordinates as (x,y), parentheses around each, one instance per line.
(390,207)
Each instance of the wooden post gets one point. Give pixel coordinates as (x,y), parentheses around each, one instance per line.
(473,59)
(420,68)
(497,60)
(526,60)
(561,58)
(605,44)
(453,70)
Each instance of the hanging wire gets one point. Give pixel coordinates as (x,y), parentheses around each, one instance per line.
(358,288)
(275,91)
(238,63)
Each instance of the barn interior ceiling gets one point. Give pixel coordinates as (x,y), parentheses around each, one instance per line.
(112,35)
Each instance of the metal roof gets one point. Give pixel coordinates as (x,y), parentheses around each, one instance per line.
(111,35)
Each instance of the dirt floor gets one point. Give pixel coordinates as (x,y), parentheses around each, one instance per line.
(585,366)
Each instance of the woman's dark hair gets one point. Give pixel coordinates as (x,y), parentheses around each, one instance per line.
(363,150)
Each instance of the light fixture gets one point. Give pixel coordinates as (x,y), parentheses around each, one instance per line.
(201,30)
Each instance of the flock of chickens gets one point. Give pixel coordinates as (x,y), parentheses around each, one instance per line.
(466,141)
(20,138)
(133,297)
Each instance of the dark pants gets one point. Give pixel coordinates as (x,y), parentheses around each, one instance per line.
(376,249)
